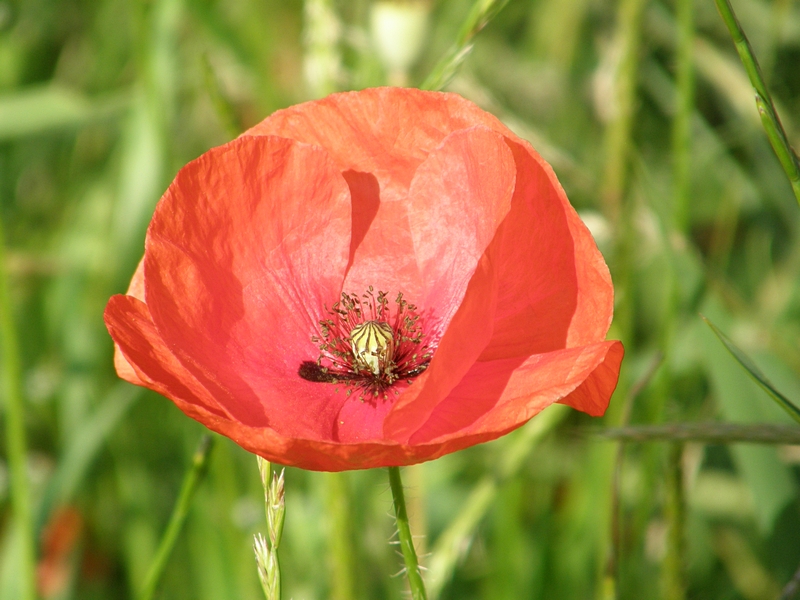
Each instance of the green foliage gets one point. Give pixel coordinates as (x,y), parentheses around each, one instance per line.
(646,114)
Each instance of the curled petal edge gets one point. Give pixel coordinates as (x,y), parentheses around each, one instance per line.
(190,397)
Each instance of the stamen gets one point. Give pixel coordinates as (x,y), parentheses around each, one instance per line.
(368,345)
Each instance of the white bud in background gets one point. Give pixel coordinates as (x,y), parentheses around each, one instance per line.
(398,31)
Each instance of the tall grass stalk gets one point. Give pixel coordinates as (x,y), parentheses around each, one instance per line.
(681,130)
(673,572)
(766,108)
(16,443)
(610,586)
(709,433)
(618,133)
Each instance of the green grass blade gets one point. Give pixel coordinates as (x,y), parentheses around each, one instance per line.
(756,373)
(50,108)
(479,16)
(766,108)
(674,569)
(682,124)
(16,442)
(777,138)
(618,135)
(190,482)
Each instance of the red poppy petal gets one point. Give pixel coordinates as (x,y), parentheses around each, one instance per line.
(593,394)
(136,289)
(129,323)
(531,312)
(499,395)
(462,343)
(463,188)
(136,286)
(237,278)
(595,307)
(124,369)
(556,289)
(386,131)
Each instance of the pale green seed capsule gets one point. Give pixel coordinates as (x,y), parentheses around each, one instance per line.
(372,343)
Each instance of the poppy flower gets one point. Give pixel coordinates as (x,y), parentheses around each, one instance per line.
(373,279)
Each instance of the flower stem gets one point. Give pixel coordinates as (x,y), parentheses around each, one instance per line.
(406,541)
(16,443)
(190,482)
(766,108)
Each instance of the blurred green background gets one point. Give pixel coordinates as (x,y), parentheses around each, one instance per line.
(647,116)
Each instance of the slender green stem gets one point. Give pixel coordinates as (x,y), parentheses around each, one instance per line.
(404,533)
(673,571)
(710,433)
(479,16)
(16,443)
(766,107)
(681,132)
(618,138)
(190,482)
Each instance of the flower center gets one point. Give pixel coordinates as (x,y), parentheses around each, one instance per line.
(372,343)
(368,345)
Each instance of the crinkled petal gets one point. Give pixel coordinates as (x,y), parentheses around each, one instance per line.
(428,245)
(386,132)
(145,353)
(128,322)
(462,343)
(465,188)
(500,395)
(556,288)
(237,278)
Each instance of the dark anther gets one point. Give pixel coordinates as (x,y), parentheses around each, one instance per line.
(311,371)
